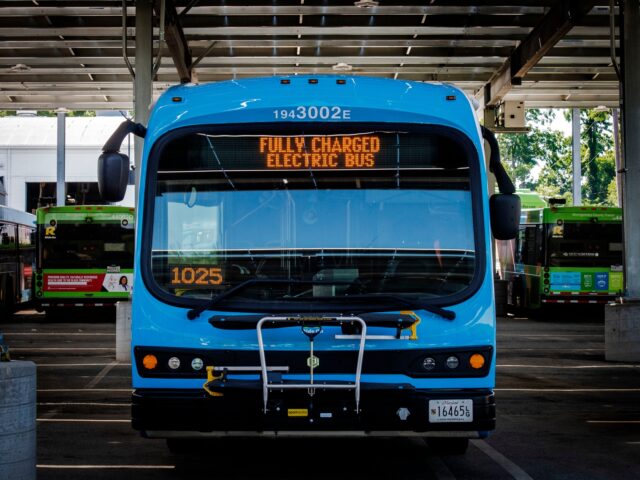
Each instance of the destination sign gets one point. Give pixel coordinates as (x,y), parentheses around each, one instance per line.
(316,152)
(320,152)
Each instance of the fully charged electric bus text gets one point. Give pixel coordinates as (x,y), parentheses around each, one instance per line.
(320,152)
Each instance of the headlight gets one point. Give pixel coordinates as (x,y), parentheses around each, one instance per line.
(197,363)
(174,363)
(452,362)
(429,363)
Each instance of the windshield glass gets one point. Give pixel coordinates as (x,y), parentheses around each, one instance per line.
(88,245)
(369,213)
(585,244)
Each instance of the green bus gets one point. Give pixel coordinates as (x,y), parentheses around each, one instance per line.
(563,255)
(84,256)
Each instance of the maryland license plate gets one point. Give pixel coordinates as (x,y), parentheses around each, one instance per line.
(450,411)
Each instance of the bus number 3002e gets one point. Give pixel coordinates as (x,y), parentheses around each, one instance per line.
(196,275)
(312,113)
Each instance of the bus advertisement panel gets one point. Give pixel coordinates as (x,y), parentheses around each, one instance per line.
(565,255)
(85,255)
(312,256)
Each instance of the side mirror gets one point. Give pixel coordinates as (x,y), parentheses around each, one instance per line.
(504,210)
(113,176)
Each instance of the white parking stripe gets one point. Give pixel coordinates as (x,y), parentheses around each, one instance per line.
(87,467)
(621,422)
(570,390)
(103,373)
(514,470)
(83,404)
(61,349)
(64,334)
(567,367)
(84,390)
(83,420)
(58,365)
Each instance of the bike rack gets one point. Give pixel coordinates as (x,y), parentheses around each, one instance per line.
(311,386)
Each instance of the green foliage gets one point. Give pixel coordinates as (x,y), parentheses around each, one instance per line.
(549,152)
(52,113)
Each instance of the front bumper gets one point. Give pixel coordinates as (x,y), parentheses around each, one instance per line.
(383,410)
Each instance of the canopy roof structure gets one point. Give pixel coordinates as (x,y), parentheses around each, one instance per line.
(548,53)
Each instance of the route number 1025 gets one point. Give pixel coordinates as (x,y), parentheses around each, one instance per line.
(196,276)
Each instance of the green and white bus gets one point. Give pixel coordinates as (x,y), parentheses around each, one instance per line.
(564,255)
(85,256)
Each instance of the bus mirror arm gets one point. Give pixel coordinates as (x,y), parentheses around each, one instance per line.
(504,207)
(113,166)
(505,185)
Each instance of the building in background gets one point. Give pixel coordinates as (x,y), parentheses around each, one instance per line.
(28,160)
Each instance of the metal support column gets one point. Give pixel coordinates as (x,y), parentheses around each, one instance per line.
(143,85)
(577,166)
(631,140)
(61,191)
(617,150)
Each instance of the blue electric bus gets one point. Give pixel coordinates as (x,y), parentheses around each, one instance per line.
(313,255)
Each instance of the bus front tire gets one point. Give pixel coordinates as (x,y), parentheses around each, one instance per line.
(448,445)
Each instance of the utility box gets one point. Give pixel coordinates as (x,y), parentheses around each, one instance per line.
(513,114)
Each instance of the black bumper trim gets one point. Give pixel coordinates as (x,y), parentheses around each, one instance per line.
(242,410)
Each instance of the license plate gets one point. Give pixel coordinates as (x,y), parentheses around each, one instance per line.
(450,411)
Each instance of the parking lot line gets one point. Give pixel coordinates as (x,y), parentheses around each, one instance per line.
(128,467)
(514,470)
(84,420)
(103,373)
(83,404)
(614,421)
(66,334)
(570,390)
(58,365)
(84,390)
(567,367)
(60,349)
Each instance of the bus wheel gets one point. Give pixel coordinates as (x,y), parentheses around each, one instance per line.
(448,445)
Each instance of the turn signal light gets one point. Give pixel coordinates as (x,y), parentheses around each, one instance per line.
(150,362)
(476,361)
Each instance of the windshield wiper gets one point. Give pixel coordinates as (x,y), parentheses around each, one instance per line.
(407,302)
(195,312)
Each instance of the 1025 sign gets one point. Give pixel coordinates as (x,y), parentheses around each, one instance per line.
(196,275)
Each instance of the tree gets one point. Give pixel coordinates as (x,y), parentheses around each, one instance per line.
(541,146)
(599,164)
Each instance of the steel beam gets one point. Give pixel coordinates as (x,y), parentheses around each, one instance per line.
(631,145)
(576,157)
(143,81)
(561,18)
(61,190)
(176,41)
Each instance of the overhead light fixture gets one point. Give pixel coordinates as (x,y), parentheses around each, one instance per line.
(366,3)
(602,108)
(20,67)
(342,67)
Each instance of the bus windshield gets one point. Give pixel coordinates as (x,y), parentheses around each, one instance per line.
(88,245)
(363,213)
(585,244)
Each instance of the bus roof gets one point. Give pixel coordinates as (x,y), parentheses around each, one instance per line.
(368,99)
(16,216)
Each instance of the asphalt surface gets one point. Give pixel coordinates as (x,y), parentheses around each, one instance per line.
(563,413)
